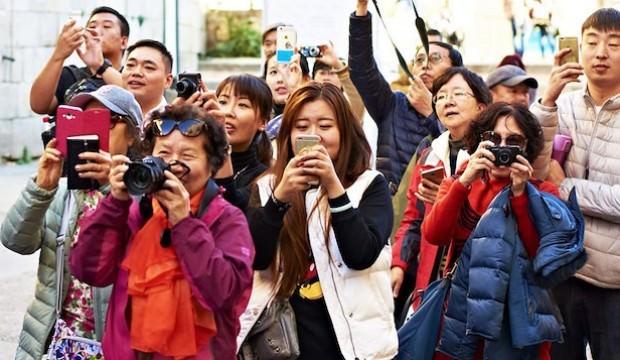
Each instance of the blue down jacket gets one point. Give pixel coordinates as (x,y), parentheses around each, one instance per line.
(501,296)
(400,126)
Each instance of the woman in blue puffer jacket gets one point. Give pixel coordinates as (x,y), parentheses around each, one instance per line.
(515,241)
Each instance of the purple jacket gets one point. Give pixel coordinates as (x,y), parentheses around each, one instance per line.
(216,255)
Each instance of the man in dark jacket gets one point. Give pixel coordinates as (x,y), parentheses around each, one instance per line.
(403,119)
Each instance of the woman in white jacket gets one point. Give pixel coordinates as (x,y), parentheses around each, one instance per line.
(329,243)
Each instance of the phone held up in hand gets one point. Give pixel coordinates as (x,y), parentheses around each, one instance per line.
(304,143)
(434,175)
(569,42)
(286,42)
(75,146)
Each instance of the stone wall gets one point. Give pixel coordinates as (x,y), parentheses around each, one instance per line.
(28,31)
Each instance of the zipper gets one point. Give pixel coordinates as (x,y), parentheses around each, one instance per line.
(596,121)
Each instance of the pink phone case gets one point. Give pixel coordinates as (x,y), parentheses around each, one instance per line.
(73,121)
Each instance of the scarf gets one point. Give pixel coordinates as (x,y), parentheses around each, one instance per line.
(165,318)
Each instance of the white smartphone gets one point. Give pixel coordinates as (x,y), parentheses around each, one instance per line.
(286,42)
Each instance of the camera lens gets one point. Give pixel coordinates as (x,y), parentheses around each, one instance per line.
(504,158)
(145,177)
(314,51)
(185,88)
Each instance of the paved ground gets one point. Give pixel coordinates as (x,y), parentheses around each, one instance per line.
(17,272)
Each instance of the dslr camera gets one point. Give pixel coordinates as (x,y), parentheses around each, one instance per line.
(310,51)
(146,176)
(188,84)
(505,155)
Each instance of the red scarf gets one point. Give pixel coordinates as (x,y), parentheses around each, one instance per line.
(165,318)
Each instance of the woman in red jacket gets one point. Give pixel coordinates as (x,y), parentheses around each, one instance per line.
(459,96)
(496,135)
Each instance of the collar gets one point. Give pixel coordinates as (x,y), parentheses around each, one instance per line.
(244,160)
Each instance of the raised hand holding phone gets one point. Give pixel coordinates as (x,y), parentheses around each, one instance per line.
(286,43)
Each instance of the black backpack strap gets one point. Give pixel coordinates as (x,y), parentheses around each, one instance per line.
(78,74)
(211,191)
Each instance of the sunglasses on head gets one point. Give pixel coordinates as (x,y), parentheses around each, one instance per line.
(188,127)
(511,140)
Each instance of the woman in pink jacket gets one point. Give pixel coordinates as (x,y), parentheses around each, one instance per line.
(181,258)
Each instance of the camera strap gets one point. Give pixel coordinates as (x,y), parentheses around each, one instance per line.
(421,30)
(211,191)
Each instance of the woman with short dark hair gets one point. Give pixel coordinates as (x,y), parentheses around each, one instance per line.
(459,95)
(181,259)
(494,217)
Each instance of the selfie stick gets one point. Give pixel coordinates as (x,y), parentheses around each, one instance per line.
(419,24)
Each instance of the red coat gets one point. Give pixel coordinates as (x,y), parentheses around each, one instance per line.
(437,154)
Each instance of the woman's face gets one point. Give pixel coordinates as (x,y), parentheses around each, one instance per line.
(281,81)
(242,120)
(318,118)
(456,106)
(191,152)
(505,127)
(119,141)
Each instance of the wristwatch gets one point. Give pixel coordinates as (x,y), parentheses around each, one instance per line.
(106,64)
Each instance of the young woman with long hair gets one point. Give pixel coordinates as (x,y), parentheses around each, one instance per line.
(322,231)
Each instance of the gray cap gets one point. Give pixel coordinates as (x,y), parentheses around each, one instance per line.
(510,75)
(116,99)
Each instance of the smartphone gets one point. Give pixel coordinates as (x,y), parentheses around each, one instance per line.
(305,142)
(569,42)
(73,121)
(75,146)
(434,175)
(286,42)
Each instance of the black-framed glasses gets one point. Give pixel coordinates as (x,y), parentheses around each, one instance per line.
(511,140)
(188,127)
(434,58)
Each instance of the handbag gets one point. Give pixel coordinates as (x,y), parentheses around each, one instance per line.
(417,338)
(273,336)
(65,344)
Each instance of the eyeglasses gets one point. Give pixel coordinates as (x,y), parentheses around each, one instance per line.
(458,95)
(511,140)
(189,127)
(434,58)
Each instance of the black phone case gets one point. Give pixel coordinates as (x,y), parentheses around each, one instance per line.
(74,148)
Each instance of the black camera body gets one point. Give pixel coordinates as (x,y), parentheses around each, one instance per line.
(188,84)
(505,155)
(310,51)
(146,176)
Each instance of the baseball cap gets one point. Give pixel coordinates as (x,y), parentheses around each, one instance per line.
(510,75)
(115,98)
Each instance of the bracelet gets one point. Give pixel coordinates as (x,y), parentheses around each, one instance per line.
(342,70)
(340,209)
(280,206)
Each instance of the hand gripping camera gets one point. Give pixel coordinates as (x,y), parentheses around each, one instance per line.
(188,84)
(146,176)
(505,155)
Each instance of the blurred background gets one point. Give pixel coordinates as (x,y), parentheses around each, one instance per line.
(223,37)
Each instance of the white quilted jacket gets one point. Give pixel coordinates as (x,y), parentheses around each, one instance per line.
(593,169)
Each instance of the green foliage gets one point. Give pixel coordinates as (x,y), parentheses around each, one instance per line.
(244,41)
(25,158)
